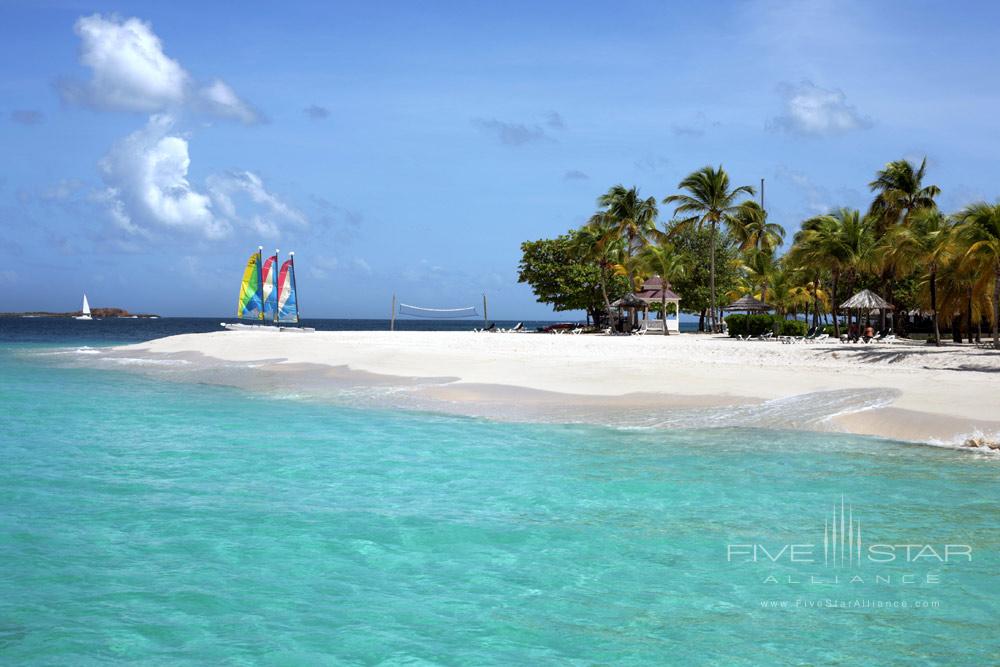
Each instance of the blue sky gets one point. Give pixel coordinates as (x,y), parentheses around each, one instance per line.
(411,147)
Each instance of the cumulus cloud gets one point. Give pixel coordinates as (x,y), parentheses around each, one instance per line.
(148,190)
(316,112)
(131,72)
(554,120)
(811,110)
(27,116)
(146,174)
(575,175)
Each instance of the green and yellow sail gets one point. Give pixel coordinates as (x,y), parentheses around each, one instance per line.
(251,303)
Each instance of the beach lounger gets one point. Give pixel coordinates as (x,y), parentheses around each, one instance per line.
(577,331)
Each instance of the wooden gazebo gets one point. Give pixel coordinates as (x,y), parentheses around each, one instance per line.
(653,291)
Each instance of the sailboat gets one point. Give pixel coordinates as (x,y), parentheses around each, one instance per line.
(288,302)
(85,310)
(267,295)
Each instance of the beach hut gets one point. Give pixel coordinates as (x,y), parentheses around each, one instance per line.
(866,301)
(631,303)
(654,292)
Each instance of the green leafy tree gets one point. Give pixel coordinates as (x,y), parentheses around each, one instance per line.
(922,247)
(664,261)
(839,242)
(710,201)
(752,231)
(900,192)
(560,276)
(979,228)
(696,245)
(630,217)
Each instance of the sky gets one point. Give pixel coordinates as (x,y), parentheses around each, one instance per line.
(409,148)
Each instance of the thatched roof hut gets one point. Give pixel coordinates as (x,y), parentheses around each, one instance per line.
(866,300)
(748,304)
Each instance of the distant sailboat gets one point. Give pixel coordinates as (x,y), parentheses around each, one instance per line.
(85,310)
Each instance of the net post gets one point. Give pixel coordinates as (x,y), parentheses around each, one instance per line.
(486,317)
(392,315)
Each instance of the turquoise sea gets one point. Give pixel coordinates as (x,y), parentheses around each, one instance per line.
(158,522)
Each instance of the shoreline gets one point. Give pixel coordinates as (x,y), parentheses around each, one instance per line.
(902,392)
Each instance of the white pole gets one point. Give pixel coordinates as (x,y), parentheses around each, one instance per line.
(486,318)
(392,318)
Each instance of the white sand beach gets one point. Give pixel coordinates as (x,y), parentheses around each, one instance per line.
(903,391)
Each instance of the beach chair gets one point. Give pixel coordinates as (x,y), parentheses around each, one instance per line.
(641,331)
(577,331)
(822,338)
(519,327)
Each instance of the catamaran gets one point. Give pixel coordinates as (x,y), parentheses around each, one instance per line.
(85,311)
(268,295)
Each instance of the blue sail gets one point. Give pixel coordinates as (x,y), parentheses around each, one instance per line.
(288,308)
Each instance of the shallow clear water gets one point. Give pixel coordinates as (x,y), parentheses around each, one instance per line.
(173,523)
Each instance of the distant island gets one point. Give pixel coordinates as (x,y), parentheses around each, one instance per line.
(96,313)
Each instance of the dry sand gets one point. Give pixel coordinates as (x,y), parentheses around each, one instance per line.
(902,391)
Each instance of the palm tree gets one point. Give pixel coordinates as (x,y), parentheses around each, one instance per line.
(663,260)
(900,193)
(750,228)
(632,217)
(711,201)
(926,243)
(980,233)
(759,267)
(598,242)
(839,242)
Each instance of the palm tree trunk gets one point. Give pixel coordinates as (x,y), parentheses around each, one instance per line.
(836,322)
(968,316)
(607,302)
(816,304)
(937,328)
(663,308)
(996,309)
(711,282)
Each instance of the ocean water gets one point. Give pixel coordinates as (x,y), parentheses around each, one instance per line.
(174,523)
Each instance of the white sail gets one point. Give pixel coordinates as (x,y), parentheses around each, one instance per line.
(85,311)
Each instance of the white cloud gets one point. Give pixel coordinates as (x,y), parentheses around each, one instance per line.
(131,72)
(219,99)
(147,178)
(270,210)
(812,110)
(129,69)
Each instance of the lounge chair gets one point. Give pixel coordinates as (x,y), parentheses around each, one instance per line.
(577,331)
(519,327)
(821,338)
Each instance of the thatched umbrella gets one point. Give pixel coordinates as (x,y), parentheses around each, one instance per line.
(748,304)
(867,301)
